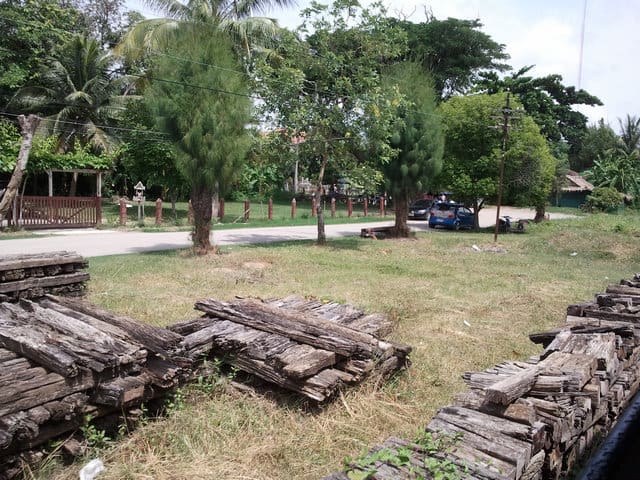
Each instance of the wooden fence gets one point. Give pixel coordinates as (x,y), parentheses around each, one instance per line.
(56,212)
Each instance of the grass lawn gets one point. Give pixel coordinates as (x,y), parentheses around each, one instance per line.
(234,215)
(460,309)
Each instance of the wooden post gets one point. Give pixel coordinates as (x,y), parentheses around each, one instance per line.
(293,208)
(333,207)
(123,212)
(270,209)
(382,205)
(98,211)
(313,207)
(190,213)
(221,209)
(365,206)
(159,211)
(349,207)
(247,207)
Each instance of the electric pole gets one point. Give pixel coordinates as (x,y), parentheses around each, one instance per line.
(507,113)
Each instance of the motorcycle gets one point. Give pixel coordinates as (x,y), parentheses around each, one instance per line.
(509,225)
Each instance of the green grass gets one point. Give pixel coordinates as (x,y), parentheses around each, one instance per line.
(234,215)
(460,309)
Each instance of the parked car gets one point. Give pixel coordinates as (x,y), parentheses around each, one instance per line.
(419,210)
(450,215)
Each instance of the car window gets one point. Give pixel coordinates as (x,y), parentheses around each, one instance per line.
(421,203)
(444,207)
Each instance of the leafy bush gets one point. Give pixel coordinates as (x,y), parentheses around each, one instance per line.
(604,199)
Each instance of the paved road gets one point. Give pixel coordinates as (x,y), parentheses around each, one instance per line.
(95,243)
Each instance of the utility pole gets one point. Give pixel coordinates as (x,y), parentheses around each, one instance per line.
(506,115)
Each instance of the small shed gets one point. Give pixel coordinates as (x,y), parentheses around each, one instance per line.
(574,191)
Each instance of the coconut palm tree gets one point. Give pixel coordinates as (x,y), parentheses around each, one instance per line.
(78,94)
(234,17)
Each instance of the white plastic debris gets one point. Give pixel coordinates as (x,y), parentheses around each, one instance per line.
(92,469)
(573,254)
(466,323)
(475,247)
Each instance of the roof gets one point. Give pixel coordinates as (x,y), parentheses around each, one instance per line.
(576,183)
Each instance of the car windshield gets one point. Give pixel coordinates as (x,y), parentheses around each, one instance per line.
(445,206)
(421,203)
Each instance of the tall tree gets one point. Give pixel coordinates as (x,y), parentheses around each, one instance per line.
(630,134)
(106,20)
(454,52)
(327,89)
(204,110)
(31,31)
(597,140)
(234,18)
(416,136)
(78,94)
(473,152)
(550,103)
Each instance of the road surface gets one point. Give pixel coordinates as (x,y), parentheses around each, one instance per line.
(95,243)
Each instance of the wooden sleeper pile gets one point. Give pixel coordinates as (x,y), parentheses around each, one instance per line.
(304,346)
(31,276)
(533,419)
(62,359)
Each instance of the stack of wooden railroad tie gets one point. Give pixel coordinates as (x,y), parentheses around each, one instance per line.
(31,276)
(532,419)
(62,359)
(308,347)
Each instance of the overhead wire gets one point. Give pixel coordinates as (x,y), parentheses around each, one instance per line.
(325,93)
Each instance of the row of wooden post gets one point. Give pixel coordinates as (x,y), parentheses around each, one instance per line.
(247,209)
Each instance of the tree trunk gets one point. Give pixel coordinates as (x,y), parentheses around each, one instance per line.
(28,126)
(201,202)
(541,211)
(401,204)
(322,237)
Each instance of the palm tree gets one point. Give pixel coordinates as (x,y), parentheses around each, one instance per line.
(234,17)
(78,94)
(630,134)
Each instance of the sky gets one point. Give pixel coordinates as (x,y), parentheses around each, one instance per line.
(544,33)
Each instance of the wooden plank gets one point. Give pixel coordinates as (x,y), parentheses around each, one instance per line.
(156,339)
(624,290)
(508,389)
(472,420)
(302,361)
(21,261)
(311,331)
(119,392)
(61,343)
(507,449)
(43,282)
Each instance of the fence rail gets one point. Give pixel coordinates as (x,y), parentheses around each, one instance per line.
(56,212)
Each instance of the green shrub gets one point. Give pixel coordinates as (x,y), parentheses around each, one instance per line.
(605,199)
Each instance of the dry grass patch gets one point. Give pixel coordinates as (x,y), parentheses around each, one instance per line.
(459,308)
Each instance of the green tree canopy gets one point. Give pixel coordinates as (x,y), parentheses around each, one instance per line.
(454,52)
(598,139)
(327,88)
(79,95)
(473,153)
(550,103)
(31,31)
(234,18)
(204,109)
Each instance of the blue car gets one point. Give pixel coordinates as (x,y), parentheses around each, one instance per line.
(450,215)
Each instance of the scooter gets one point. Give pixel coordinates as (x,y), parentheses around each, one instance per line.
(509,225)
